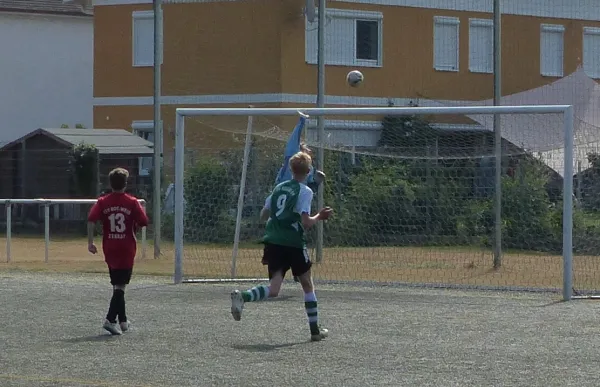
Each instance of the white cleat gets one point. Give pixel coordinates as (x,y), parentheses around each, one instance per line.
(323,333)
(124,326)
(113,328)
(237,305)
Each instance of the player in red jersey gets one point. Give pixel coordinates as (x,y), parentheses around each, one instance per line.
(121,214)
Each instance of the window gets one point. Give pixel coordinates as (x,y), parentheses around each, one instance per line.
(352,38)
(143,38)
(367,47)
(445,43)
(144,129)
(481,45)
(591,51)
(552,47)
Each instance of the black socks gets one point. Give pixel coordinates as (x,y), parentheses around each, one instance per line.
(117,307)
(121,312)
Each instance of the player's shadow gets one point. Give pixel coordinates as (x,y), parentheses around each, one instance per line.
(89,339)
(266,347)
(280,298)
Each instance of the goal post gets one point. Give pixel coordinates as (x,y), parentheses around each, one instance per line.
(344,252)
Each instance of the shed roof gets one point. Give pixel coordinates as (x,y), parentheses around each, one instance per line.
(107,141)
(58,7)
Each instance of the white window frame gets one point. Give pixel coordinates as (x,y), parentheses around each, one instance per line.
(477,67)
(452,21)
(144,126)
(141,15)
(356,16)
(594,72)
(552,28)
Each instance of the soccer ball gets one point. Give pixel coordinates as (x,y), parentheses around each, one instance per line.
(355,78)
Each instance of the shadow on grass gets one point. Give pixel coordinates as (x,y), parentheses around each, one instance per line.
(90,339)
(552,303)
(133,288)
(280,298)
(266,347)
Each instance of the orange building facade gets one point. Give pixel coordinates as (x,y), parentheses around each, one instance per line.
(263,53)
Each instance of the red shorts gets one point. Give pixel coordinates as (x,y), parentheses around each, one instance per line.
(119,259)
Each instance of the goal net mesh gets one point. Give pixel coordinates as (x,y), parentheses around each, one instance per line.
(413,198)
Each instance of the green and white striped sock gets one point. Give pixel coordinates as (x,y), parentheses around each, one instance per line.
(257,293)
(310,304)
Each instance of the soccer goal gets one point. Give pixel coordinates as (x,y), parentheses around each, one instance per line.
(423,196)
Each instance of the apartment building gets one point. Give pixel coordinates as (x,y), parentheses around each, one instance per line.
(233,53)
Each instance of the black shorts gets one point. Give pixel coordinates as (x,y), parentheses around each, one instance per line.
(284,258)
(120,276)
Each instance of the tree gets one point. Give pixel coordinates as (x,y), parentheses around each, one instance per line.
(83,161)
(405,132)
(590,183)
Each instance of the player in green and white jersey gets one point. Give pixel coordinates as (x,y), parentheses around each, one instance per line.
(288,212)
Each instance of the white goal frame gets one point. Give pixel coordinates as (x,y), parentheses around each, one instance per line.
(568,128)
(47,203)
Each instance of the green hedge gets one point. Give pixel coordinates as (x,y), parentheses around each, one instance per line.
(208,197)
(427,203)
(392,202)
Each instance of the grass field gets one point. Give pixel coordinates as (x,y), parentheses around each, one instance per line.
(465,266)
(183,335)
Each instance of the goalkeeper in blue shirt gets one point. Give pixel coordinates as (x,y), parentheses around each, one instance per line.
(294,145)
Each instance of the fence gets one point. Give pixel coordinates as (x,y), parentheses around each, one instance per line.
(47,205)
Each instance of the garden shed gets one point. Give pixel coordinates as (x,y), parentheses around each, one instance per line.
(44,163)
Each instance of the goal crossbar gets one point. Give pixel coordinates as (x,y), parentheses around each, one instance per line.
(568,125)
(398,111)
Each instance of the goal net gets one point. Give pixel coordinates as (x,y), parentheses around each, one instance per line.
(415,193)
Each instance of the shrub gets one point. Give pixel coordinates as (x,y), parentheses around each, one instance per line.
(475,226)
(377,205)
(586,232)
(208,195)
(168,226)
(394,202)
(530,219)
